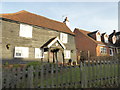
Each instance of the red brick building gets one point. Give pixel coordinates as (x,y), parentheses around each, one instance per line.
(94,43)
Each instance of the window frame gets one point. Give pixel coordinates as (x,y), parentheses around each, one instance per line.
(106,38)
(98,36)
(22,50)
(41,51)
(64,37)
(67,52)
(103,50)
(111,52)
(24,32)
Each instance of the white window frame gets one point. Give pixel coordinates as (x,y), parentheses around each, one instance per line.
(106,39)
(64,37)
(25,31)
(114,39)
(39,53)
(67,54)
(23,51)
(103,50)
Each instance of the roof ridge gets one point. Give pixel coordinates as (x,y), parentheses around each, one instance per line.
(41,16)
(30,13)
(13,13)
(82,30)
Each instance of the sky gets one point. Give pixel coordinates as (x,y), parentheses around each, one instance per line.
(90,16)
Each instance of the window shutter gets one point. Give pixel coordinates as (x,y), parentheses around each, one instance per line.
(38,53)
(63,37)
(67,54)
(25,30)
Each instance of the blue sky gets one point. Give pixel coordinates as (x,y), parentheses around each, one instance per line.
(90,16)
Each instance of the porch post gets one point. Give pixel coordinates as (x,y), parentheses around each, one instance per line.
(56,57)
(63,57)
(49,55)
(53,57)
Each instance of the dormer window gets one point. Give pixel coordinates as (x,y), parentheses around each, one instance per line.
(106,38)
(114,39)
(98,37)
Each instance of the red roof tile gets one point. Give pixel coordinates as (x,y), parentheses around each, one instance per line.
(86,34)
(33,19)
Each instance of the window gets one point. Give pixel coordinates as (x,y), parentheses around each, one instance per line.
(21,52)
(64,37)
(25,31)
(103,50)
(98,37)
(38,53)
(111,52)
(106,38)
(114,39)
(67,54)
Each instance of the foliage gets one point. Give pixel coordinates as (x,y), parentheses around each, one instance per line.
(6,64)
(34,63)
(16,65)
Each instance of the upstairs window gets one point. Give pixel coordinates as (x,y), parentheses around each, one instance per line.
(64,37)
(98,37)
(25,31)
(67,54)
(38,53)
(114,39)
(21,52)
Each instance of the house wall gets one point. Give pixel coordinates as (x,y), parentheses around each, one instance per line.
(10,35)
(83,43)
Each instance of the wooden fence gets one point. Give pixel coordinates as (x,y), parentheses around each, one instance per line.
(92,74)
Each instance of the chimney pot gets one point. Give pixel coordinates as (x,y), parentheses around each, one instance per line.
(114,31)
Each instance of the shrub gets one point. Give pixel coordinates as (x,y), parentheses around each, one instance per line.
(34,63)
(16,65)
(6,64)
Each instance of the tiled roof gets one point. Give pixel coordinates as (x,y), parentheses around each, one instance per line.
(37,20)
(86,34)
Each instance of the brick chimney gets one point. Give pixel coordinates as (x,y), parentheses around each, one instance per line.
(66,21)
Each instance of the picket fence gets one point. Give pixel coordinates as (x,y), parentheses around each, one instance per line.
(92,74)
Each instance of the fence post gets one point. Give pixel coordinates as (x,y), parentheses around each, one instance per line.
(81,75)
(42,77)
(56,71)
(24,77)
(30,77)
(118,72)
(66,70)
(18,73)
(109,70)
(8,77)
(36,76)
(47,72)
(97,73)
(89,74)
(13,78)
(85,75)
